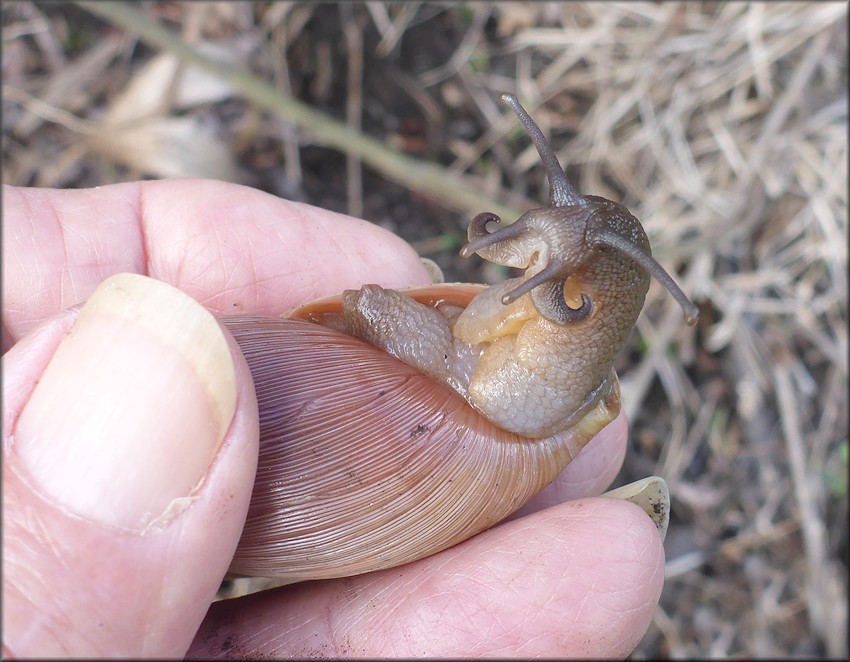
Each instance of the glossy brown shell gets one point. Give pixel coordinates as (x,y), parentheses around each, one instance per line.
(365,463)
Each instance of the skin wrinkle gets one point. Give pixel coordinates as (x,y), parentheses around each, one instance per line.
(338,248)
(616,619)
(10,306)
(475,615)
(289,277)
(184,260)
(181,252)
(271,283)
(73,237)
(37,536)
(338,251)
(512,632)
(133,201)
(54,215)
(335,626)
(348,247)
(279,281)
(355,622)
(259,636)
(406,599)
(402,599)
(277,249)
(491,603)
(389,595)
(340,633)
(585,608)
(494,631)
(192,252)
(39,265)
(64,263)
(229,271)
(268,635)
(253,268)
(276,642)
(509,638)
(84,254)
(271,232)
(138,204)
(282,281)
(520,639)
(30,215)
(247,262)
(35,533)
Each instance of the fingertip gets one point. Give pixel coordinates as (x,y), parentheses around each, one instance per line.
(591,572)
(586,576)
(132,590)
(143,368)
(616,562)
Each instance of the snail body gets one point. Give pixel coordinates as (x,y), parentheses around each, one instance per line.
(394,424)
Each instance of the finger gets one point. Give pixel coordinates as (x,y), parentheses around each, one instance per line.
(232,248)
(580,579)
(590,474)
(129,450)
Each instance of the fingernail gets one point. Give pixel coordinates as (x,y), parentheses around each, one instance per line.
(132,408)
(652,496)
(433,270)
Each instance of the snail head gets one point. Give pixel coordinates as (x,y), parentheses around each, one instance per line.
(556,241)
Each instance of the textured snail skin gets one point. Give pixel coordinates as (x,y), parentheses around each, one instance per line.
(546,376)
(396,424)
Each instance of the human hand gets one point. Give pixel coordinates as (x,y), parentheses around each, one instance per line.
(129,450)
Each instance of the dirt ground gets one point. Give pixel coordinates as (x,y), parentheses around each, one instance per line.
(722,126)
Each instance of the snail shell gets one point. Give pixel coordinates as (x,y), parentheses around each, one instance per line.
(396,424)
(366,463)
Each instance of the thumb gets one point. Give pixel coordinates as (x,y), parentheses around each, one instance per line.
(129,450)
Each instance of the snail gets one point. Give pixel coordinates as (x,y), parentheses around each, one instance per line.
(412,420)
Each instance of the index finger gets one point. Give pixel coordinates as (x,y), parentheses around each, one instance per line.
(234,249)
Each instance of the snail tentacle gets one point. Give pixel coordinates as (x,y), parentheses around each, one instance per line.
(480,239)
(551,271)
(561,192)
(478,230)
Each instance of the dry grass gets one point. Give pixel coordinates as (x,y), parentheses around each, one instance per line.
(722,125)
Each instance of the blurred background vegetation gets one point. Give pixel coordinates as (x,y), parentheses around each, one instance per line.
(722,126)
